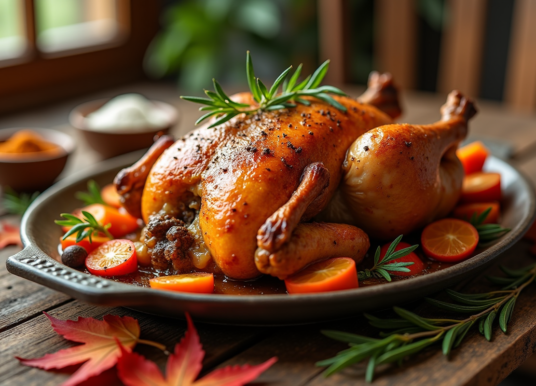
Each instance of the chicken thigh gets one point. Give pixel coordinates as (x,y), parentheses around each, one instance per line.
(240,192)
(400,177)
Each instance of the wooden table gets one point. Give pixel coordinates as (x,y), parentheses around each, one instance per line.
(26,332)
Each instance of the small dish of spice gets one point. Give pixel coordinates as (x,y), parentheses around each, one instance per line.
(31,159)
(122,124)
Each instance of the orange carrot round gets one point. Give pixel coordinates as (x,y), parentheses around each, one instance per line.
(481,187)
(466,211)
(97,241)
(473,157)
(196,282)
(110,196)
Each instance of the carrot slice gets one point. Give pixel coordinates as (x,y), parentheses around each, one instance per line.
(473,157)
(122,222)
(466,211)
(110,196)
(113,258)
(481,187)
(449,240)
(414,269)
(330,275)
(196,282)
(97,241)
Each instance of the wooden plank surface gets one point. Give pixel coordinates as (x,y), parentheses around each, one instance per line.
(331,36)
(25,331)
(395,39)
(462,46)
(521,72)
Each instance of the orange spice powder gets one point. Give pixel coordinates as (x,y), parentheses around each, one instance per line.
(27,142)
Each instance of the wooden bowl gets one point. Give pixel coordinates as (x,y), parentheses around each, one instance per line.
(35,172)
(112,143)
(40,262)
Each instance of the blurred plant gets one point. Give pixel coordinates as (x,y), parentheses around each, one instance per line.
(18,203)
(202,39)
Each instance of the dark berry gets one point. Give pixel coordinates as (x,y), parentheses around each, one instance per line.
(74,256)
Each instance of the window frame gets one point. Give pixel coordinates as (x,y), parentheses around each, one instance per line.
(35,78)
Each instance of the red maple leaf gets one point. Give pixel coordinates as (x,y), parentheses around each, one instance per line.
(183,367)
(9,235)
(99,351)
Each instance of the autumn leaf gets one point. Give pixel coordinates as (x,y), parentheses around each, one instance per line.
(183,367)
(9,235)
(99,351)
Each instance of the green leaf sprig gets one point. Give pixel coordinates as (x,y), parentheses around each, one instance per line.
(92,196)
(87,226)
(18,203)
(411,333)
(220,104)
(382,268)
(486,232)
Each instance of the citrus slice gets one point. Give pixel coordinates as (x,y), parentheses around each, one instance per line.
(113,258)
(481,187)
(334,274)
(196,282)
(449,240)
(414,269)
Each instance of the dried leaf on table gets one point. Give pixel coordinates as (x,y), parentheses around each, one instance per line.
(183,367)
(9,235)
(99,351)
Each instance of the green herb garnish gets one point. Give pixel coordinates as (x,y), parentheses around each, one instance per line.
(18,203)
(87,226)
(382,268)
(92,196)
(486,232)
(218,103)
(411,333)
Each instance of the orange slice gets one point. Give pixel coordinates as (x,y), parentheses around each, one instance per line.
(330,275)
(449,240)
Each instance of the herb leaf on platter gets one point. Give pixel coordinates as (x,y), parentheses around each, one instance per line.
(382,268)
(87,226)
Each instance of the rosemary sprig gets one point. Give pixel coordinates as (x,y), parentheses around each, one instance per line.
(411,333)
(220,104)
(87,226)
(486,232)
(18,203)
(92,196)
(382,268)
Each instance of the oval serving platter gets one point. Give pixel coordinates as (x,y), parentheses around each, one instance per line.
(39,262)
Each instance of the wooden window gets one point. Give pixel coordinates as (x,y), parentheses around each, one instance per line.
(51,49)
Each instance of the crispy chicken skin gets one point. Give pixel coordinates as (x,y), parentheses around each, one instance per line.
(400,177)
(247,169)
(312,242)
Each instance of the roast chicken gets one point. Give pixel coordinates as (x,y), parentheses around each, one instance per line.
(244,198)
